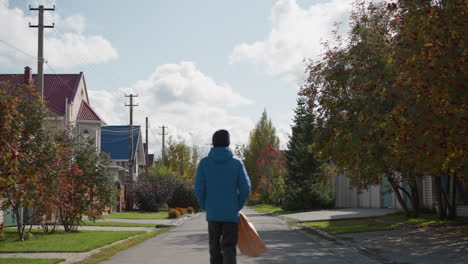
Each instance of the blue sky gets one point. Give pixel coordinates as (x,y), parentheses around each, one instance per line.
(196,65)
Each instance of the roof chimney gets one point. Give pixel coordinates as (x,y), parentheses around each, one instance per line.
(27,76)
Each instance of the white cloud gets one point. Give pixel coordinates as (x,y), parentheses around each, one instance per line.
(179,96)
(296,34)
(45,3)
(64,47)
(184,83)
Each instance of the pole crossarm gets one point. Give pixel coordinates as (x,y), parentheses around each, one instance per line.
(131,158)
(38,8)
(40,49)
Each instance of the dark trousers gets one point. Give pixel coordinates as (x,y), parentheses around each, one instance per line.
(223,242)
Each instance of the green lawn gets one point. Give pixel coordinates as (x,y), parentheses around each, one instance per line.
(91,223)
(138,215)
(60,241)
(29,261)
(266,208)
(379,223)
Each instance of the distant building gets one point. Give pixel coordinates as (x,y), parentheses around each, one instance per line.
(115,140)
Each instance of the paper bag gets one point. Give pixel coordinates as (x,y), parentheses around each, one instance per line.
(249,242)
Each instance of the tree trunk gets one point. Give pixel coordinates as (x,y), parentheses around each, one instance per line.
(19,224)
(415,200)
(452,212)
(447,199)
(440,199)
(396,190)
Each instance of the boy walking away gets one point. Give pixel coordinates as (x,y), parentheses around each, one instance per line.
(222,187)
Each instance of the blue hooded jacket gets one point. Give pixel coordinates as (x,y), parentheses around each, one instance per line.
(221,185)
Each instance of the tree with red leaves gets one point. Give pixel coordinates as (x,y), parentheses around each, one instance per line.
(23,144)
(270,166)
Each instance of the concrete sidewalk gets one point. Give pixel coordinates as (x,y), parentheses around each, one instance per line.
(347,213)
(189,244)
(107,228)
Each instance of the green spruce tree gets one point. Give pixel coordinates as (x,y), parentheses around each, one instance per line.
(305,178)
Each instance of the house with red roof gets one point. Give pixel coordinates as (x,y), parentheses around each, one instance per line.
(67,98)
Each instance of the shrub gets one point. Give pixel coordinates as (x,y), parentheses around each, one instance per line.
(183,210)
(183,196)
(180,210)
(174,214)
(29,236)
(254,199)
(190,210)
(153,194)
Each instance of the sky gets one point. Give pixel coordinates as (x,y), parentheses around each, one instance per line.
(197,66)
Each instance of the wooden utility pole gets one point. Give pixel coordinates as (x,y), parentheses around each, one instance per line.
(146,149)
(131,159)
(163,152)
(40,49)
(182,160)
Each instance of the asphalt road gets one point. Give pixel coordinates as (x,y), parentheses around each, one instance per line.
(188,243)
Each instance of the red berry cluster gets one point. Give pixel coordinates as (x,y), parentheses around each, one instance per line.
(391,5)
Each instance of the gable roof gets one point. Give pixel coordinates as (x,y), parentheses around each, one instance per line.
(57,87)
(87,113)
(115,140)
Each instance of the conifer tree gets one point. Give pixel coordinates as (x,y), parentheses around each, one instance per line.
(305,186)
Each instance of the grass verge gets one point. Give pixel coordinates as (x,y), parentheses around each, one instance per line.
(381,223)
(266,208)
(91,223)
(137,215)
(106,253)
(61,241)
(29,261)
(463,230)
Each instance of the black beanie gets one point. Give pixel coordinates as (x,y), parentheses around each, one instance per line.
(221,138)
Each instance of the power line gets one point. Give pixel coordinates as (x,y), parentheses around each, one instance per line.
(86,61)
(6,5)
(18,49)
(123,133)
(60,78)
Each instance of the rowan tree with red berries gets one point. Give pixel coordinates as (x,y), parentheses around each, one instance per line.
(24,142)
(390,100)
